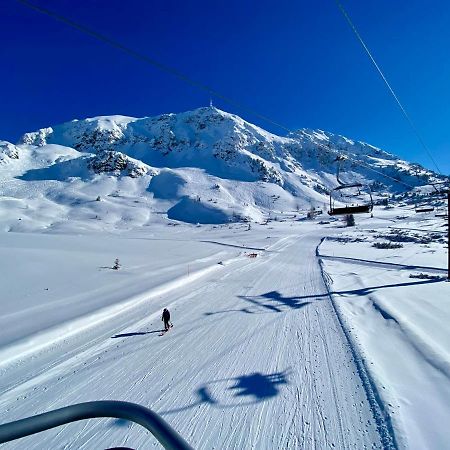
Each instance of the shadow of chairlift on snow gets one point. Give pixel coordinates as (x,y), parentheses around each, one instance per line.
(257,387)
(369,289)
(261,305)
(275,302)
(241,247)
(264,303)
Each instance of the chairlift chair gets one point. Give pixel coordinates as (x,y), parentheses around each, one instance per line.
(441,211)
(360,207)
(424,208)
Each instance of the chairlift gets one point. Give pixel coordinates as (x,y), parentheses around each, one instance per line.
(344,190)
(442,191)
(424,208)
(441,212)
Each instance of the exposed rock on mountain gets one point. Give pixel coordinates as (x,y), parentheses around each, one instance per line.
(201,166)
(116,163)
(8,151)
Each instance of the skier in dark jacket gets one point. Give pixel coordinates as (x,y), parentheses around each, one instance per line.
(166,319)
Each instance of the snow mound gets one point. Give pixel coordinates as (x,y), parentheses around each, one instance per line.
(167,185)
(194,211)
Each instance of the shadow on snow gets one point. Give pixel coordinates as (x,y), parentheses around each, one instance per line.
(264,302)
(274,301)
(271,301)
(256,387)
(136,333)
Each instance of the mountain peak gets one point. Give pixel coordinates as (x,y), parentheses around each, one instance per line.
(192,165)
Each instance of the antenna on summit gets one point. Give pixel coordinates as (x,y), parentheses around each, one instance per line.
(211,103)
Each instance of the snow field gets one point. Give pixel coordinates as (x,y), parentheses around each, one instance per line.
(256,360)
(399,324)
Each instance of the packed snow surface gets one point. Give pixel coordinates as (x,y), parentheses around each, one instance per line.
(288,332)
(260,355)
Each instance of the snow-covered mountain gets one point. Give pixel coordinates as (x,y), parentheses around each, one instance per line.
(205,166)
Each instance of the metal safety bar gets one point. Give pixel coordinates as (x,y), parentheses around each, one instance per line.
(162,431)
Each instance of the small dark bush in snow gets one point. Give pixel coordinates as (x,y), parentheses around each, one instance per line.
(425,276)
(345,239)
(405,236)
(388,245)
(116,265)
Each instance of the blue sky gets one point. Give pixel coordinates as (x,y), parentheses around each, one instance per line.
(294,61)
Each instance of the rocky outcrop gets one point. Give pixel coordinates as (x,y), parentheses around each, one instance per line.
(8,151)
(116,163)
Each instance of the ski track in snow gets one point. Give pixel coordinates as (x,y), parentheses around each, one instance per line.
(254,361)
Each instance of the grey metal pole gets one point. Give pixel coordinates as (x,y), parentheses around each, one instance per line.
(162,431)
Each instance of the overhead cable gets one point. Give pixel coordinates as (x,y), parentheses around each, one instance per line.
(147,59)
(388,85)
(144,58)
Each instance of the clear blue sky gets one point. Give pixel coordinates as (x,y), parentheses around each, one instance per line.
(295,61)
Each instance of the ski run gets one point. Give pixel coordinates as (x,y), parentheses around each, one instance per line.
(313,343)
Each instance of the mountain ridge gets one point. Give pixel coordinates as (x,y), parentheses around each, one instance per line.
(191,152)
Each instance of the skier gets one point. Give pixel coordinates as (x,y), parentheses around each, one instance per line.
(166,319)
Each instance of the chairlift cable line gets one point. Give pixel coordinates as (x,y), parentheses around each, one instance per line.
(189,80)
(217,94)
(363,164)
(140,56)
(386,82)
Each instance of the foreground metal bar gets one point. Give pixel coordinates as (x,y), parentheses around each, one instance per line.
(162,431)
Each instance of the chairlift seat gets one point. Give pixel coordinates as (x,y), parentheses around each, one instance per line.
(359,209)
(425,209)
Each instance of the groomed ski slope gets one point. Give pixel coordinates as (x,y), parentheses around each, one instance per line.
(257,359)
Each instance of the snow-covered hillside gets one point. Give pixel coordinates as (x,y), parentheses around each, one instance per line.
(201,166)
